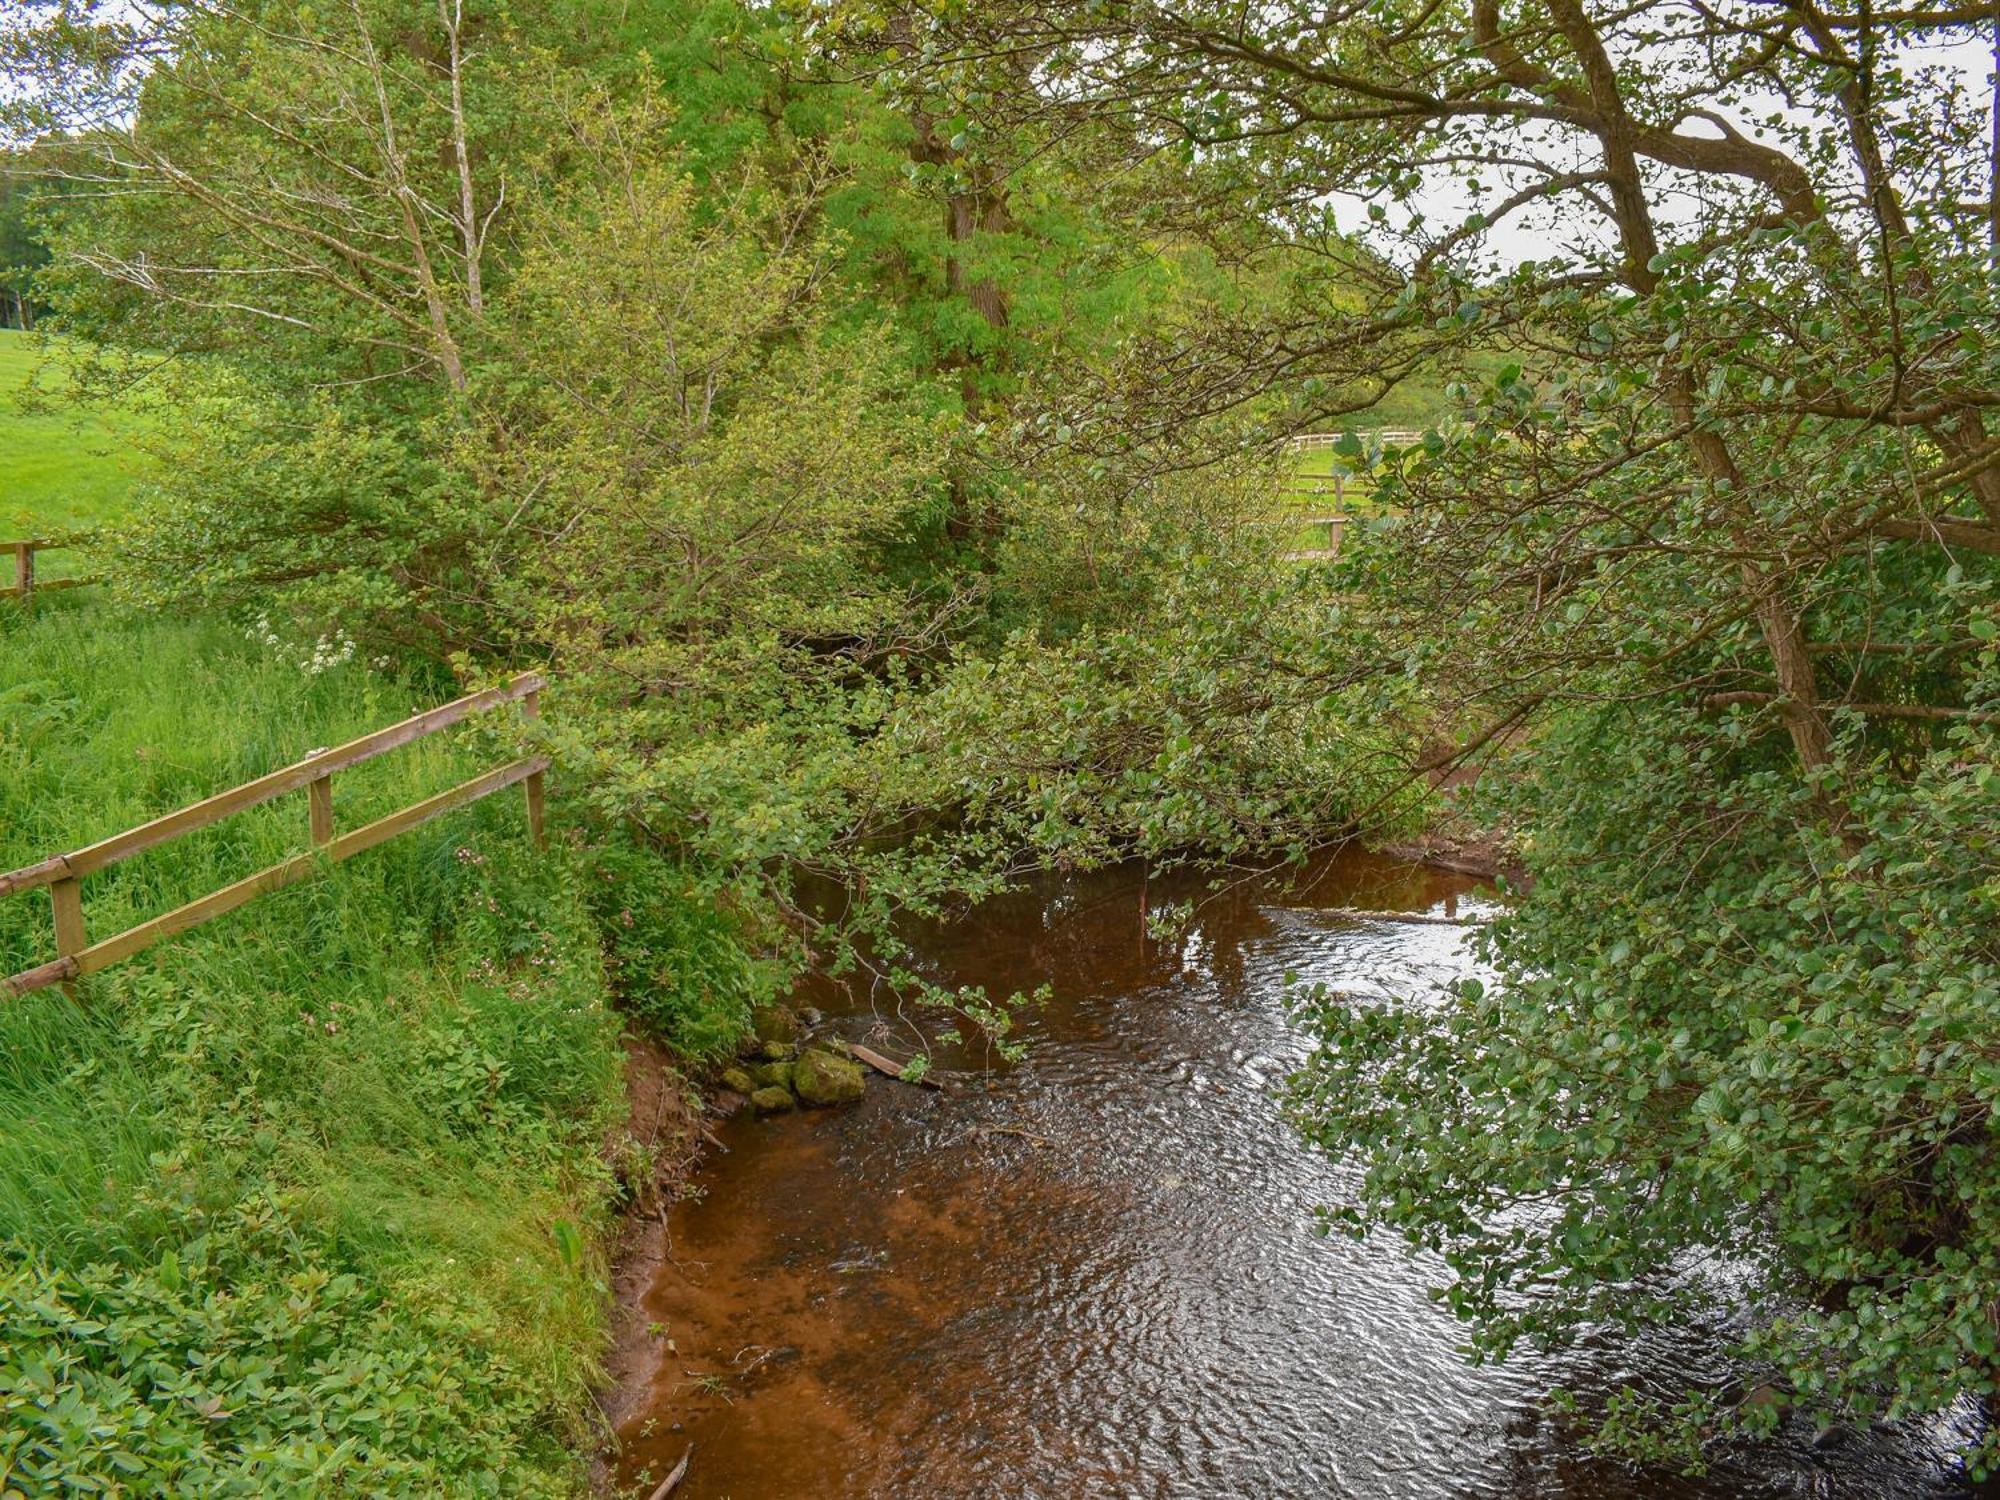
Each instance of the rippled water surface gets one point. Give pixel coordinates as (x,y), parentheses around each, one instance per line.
(1095,1274)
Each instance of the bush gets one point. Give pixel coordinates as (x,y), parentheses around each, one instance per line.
(1752,1078)
(678,959)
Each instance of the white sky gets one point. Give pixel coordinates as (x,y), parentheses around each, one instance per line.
(1446,204)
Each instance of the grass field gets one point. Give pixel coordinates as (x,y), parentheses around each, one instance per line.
(62,468)
(1312,478)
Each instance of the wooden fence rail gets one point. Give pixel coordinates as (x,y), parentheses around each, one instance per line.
(77,956)
(1314,489)
(25,584)
(1334,526)
(1308,442)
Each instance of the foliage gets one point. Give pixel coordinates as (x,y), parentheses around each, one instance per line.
(22,252)
(1752,1071)
(785,447)
(364,225)
(791,667)
(239,1366)
(313,520)
(677,954)
(705,463)
(1220,726)
(1709,528)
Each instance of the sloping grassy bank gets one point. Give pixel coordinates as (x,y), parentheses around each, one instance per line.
(308,1201)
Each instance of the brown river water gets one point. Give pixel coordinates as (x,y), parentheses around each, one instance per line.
(1095,1273)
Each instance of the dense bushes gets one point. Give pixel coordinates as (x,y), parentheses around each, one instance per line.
(239,1364)
(1731,1064)
(678,957)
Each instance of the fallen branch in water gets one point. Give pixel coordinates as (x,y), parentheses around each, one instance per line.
(1423,919)
(668,1484)
(890,1066)
(1479,865)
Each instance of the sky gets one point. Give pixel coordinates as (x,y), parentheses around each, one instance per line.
(1446,203)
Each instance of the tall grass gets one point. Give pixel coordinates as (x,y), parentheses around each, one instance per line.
(311,1191)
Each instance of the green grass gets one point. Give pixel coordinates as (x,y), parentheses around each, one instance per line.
(62,467)
(311,1200)
(1313,463)
(306,1201)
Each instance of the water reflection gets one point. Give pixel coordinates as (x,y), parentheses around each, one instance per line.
(1096,1274)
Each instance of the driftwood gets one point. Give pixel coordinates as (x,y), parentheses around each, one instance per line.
(1422,919)
(1479,862)
(672,1481)
(1479,869)
(890,1066)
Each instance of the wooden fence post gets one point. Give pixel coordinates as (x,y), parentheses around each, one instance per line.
(24,571)
(531,707)
(320,795)
(66,900)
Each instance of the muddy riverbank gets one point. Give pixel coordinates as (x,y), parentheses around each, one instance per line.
(1096,1273)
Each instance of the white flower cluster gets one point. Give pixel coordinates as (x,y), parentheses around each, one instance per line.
(328,652)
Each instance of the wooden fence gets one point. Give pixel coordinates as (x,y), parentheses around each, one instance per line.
(1314,490)
(63,874)
(25,585)
(1309,494)
(1397,437)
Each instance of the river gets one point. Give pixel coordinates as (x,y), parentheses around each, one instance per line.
(1095,1273)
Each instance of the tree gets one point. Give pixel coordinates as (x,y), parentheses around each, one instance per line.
(737,544)
(699,403)
(1710,528)
(22,252)
(340,177)
(305,213)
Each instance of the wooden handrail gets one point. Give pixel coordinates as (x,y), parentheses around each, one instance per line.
(321,763)
(63,873)
(1305,518)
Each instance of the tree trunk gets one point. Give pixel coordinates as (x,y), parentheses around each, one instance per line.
(979,209)
(1784,637)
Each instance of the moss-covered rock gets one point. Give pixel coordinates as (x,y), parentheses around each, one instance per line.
(773,1075)
(738,1080)
(776,1023)
(773,1101)
(776,1051)
(822,1078)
